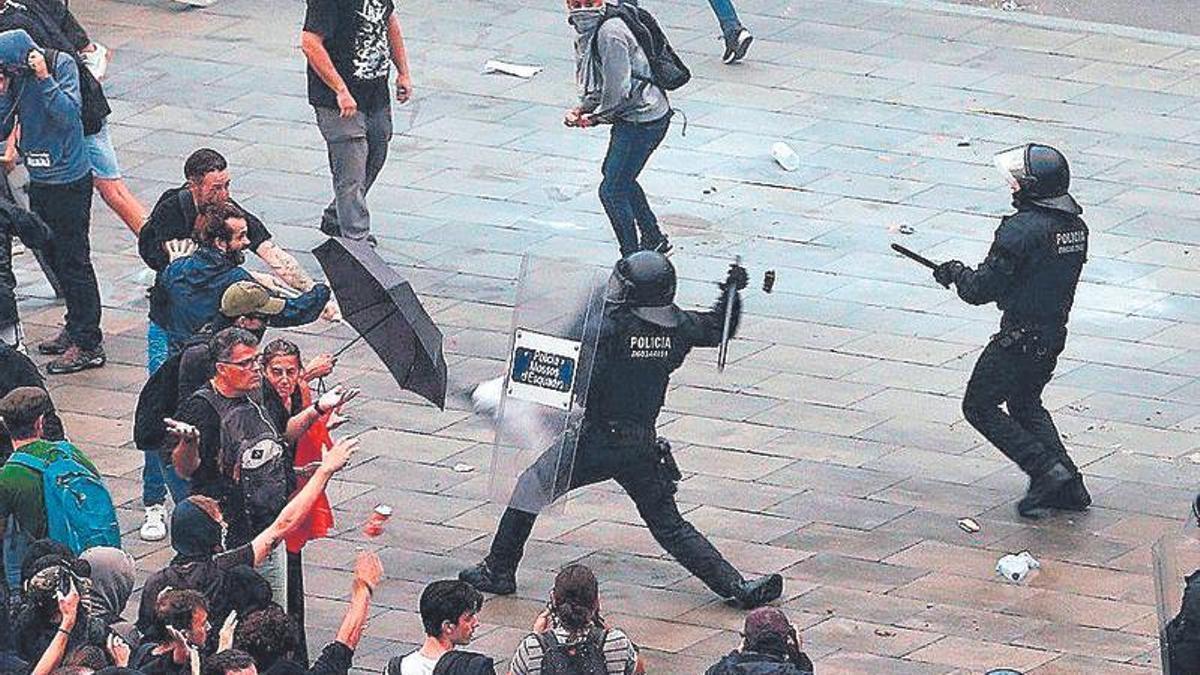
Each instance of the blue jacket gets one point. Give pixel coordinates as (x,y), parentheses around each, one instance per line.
(187,296)
(49,112)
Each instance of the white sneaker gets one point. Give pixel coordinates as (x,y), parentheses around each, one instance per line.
(155,527)
(197,3)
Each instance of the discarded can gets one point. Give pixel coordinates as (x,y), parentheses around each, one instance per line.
(968,525)
(785,156)
(768,281)
(379,516)
(1016,568)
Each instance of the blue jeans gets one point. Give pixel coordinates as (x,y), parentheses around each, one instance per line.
(726,16)
(15,543)
(629,147)
(158,477)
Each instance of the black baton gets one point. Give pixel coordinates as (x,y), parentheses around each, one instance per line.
(913,255)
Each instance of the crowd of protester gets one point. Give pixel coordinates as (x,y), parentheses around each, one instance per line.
(231,430)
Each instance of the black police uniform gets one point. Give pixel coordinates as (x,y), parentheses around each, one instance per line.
(1031,273)
(633,366)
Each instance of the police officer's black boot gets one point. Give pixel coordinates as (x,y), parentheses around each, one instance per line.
(488,578)
(1074,496)
(1044,492)
(758,592)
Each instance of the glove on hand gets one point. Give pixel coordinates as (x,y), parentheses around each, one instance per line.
(737,277)
(947,273)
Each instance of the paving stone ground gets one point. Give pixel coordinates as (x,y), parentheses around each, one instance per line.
(832,449)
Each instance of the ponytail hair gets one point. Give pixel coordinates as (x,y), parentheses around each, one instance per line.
(576,598)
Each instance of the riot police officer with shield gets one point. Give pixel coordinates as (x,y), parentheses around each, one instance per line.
(644,337)
(1030,273)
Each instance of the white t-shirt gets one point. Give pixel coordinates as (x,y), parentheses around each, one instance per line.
(417,663)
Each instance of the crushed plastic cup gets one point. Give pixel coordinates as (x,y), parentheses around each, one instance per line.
(785,156)
(379,516)
(1017,567)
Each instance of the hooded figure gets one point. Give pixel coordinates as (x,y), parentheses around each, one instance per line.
(112,582)
(51,126)
(225,579)
(770,646)
(1031,273)
(42,571)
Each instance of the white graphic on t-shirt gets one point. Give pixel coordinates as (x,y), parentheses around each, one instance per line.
(370,41)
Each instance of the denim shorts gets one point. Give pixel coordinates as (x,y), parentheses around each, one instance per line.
(102,155)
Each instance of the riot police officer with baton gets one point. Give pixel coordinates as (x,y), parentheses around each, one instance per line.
(643,338)
(1030,273)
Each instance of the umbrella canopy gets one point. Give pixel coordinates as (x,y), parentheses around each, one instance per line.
(387,313)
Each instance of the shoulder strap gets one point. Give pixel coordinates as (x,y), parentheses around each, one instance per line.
(28,461)
(51,56)
(393,665)
(187,206)
(547,640)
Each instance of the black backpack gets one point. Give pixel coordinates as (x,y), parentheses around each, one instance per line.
(578,658)
(456,662)
(95,105)
(253,453)
(667,70)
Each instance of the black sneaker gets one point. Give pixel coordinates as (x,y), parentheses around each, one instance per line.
(485,579)
(1043,494)
(55,345)
(1074,496)
(758,592)
(372,241)
(736,45)
(76,359)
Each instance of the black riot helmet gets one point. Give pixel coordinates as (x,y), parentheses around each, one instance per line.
(1039,174)
(645,282)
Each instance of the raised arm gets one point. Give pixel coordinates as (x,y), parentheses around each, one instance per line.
(297,509)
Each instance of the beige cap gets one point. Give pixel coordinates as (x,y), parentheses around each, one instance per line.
(247,297)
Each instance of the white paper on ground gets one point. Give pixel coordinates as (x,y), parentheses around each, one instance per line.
(496,66)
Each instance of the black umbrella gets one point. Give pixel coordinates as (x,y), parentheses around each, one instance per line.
(387,313)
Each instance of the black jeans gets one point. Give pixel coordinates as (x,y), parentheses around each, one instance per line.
(1013,369)
(67,209)
(8,284)
(629,148)
(600,455)
(295,604)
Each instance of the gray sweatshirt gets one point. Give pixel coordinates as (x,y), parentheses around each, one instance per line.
(617,88)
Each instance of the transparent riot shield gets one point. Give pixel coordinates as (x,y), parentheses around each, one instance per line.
(1176,560)
(543,396)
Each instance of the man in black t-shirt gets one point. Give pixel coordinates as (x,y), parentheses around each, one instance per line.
(348,44)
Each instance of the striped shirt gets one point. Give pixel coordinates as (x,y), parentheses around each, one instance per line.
(619,653)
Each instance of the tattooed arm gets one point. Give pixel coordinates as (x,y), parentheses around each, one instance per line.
(284,266)
(288,270)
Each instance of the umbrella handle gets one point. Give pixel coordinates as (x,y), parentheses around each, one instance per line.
(347,346)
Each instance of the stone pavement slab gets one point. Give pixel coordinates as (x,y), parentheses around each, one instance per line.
(833,447)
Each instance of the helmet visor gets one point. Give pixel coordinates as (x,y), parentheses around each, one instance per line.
(1011,164)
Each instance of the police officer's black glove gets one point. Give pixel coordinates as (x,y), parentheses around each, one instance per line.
(947,273)
(737,276)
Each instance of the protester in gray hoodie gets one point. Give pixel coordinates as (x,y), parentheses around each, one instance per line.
(613,75)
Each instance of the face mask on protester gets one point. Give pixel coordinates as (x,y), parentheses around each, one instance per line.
(586,19)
